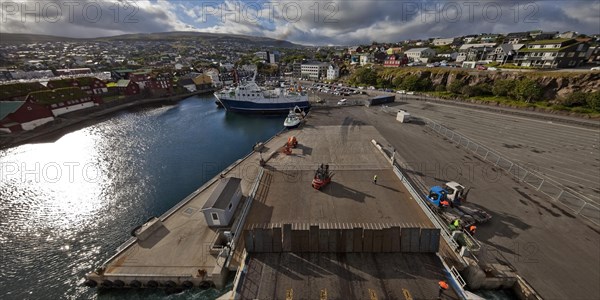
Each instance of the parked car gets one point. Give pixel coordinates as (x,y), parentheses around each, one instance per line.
(595,69)
(401,92)
(481,67)
(492,69)
(342,102)
(410,93)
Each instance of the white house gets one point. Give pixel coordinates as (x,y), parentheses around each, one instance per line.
(214,76)
(474,52)
(333,72)
(314,71)
(568,35)
(469,38)
(420,54)
(222,203)
(364,59)
(227,66)
(443,42)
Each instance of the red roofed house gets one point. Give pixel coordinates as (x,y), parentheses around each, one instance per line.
(23,115)
(141,78)
(19,91)
(90,85)
(64,100)
(159,83)
(61,83)
(128,87)
(395,60)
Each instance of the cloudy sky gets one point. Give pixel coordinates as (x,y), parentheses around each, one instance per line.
(310,22)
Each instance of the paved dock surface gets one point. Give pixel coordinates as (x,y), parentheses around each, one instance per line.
(565,153)
(343,276)
(181,247)
(286,195)
(352,199)
(558,253)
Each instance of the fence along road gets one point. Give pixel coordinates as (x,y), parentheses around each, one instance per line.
(564,154)
(575,200)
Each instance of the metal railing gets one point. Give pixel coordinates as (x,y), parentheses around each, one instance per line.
(419,198)
(457,276)
(456,281)
(240,221)
(574,201)
(426,209)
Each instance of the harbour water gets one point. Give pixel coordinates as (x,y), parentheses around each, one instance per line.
(65,206)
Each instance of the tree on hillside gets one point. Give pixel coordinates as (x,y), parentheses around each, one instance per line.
(593,101)
(382,82)
(503,88)
(397,81)
(410,83)
(365,76)
(577,98)
(528,90)
(456,86)
(480,89)
(425,84)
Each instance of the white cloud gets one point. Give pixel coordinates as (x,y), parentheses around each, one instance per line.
(343,22)
(329,22)
(89,18)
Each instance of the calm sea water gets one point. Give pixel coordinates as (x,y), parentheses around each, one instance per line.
(66,206)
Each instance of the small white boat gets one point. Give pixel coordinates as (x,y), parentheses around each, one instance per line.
(294,118)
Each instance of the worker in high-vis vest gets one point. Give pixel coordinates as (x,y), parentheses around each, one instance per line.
(455,224)
(443,286)
(472,229)
(375,179)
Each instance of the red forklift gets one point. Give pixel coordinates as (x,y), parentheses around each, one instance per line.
(322,177)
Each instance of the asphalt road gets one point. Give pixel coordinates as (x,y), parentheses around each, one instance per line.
(567,155)
(557,252)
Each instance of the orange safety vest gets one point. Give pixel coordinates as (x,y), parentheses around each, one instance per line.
(472,228)
(443,285)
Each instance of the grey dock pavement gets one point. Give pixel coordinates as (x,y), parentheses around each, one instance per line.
(556,251)
(180,250)
(326,263)
(286,196)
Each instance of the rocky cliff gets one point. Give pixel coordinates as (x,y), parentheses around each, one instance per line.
(556,84)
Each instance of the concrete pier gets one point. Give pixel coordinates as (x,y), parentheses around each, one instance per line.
(184,251)
(287,220)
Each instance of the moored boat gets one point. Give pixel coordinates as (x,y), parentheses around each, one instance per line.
(250,98)
(294,118)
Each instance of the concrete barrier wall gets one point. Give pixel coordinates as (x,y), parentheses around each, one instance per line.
(315,239)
